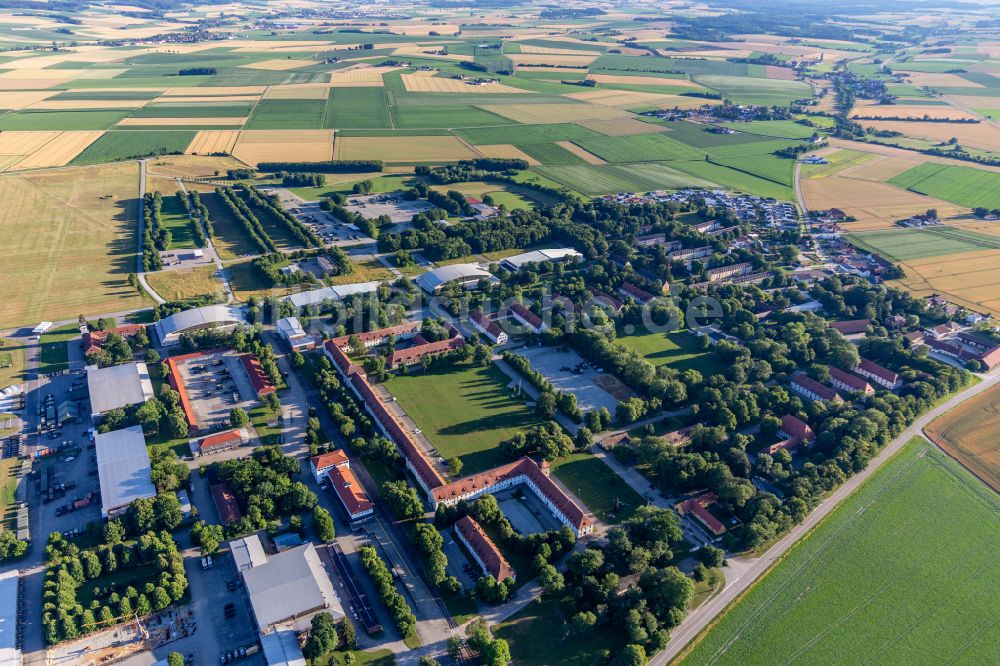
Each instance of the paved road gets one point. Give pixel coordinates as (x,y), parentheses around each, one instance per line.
(140,273)
(702,616)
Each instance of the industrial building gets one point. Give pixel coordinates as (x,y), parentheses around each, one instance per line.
(123,469)
(220,317)
(518,261)
(117,386)
(466,275)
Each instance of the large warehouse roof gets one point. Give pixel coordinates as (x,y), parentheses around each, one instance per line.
(464,273)
(123,468)
(118,386)
(290,585)
(538,256)
(204,317)
(9,654)
(337,293)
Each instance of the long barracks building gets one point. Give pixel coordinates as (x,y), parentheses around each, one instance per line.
(438,490)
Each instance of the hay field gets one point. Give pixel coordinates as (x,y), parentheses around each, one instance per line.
(941,80)
(207,142)
(255,146)
(213,91)
(880,169)
(87,105)
(507,150)
(16,100)
(620,126)
(278,65)
(82,247)
(970,279)
(644,81)
(971,433)
(548,50)
(554,60)
(437,84)
(980,135)
(625,98)
(410,149)
(207,99)
(533,114)
(582,153)
(903,111)
(298,91)
(839,160)
(60,151)
(359,78)
(185,283)
(182,122)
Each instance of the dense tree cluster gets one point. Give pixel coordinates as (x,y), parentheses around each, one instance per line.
(242,214)
(269,204)
(399,610)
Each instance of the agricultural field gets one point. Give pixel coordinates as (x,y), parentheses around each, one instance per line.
(124,145)
(965,186)
(866,584)
(908,244)
(605,179)
(82,248)
(479,414)
(969,433)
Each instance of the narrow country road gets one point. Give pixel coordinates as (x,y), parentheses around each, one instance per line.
(212,253)
(141,230)
(702,616)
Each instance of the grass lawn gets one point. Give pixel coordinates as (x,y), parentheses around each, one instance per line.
(11,362)
(605,493)
(538,636)
(55,354)
(175,218)
(8,488)
(246,281)
(259,416)
(679,350)
(185,282)
(464,411)
(380,185)
(230,238)
(382,657)
(368,270)
(873,582)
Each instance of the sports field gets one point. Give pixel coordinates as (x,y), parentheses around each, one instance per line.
(873,583)
(679,350)
(479,413)
(82,246)
(971,433)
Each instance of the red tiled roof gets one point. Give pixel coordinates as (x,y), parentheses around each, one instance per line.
(813,386)
(607,299)
(225,503)
(851,326)
(329,459)
(525,315)
(173,364)
(261,383)
(412,355)
(484,548)
(340,359)
(698,507)
(788,444)
(407,329)
(635,292)
(220,441)
(853,382)
(874,368)
(491,327)
(796,427)
(350,492)
(93,341)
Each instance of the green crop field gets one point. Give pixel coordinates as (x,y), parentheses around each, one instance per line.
(551,153)
(595,484)
(965,186)
(765,92)
(906,244)
(61,120)
(899,574)
(758,159)
(445,117)
(680,350)
(357,108)
(115,145)
(608,178)
(288,114)
(523,135)
(782,129)
(651,147)
(735,179)
(479,413)
(699,136)
(215,110)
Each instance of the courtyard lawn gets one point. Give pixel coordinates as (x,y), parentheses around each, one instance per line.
(54,356)
(539,636)
(898,574)
(679,350)
(595,484)
(464,411)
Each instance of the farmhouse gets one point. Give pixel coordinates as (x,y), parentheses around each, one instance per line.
(527,318)
(848,382)
(519,261)
(117,386)
(219,317)
(93,341)
(295,337)
(882,376)
(524,471)
(808,387)
(123,469)
(465,275)
(488,327)
(483,550)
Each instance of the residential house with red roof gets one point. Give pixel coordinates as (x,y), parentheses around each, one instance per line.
(527,318)
(793,432)
(851,326)
(488,327)
(809,388)
(847,382)
(93,341)
(324,462)
(629,290)
(483,550)
(882,376)
(698,508)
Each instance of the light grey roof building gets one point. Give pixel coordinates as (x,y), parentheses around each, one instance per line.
(248,552)
(117,386)
(281,648)
(514,264)
(289,588)
(123,469)
(464,274)
(10,655)
(225,317)
(336,293)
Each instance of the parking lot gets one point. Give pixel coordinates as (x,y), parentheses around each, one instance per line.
(393,204)
(526,513)
(569,372)
(215,384)
(459,565)
(184,258)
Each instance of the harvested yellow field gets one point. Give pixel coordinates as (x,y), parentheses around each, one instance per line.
(620,126)
(428,52)
(881,168)
(358,78)
(978,135)
(554,113)
(214,91)
(585,155)
(255,146)
(278,65)
(207,99)
(643,81)
(16,100)
(624,99)
(181,122)
(207,142)
(547,50)
(506,150)
(24,143)
(901,111)
(934,80)
(558,60)
(185,283)
(60,151)
(88,104)
(191,166)
(298,91)
(50,74)
(413,149)
(447,85)
(424,29)
(36,84)
(969,279)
